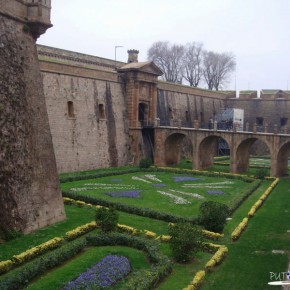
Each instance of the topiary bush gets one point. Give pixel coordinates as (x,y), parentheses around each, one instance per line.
(261,173)
(185,241)
(107,219)
(145,163)
(212,215)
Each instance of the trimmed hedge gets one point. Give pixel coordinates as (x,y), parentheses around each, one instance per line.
(98,175)
(146,212)
(236,203)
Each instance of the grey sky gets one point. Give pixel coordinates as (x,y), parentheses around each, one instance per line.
(255,31)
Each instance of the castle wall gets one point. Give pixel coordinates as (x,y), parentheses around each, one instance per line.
(30,196)
(91,139)
(272,111)
(177,102)
(96,134)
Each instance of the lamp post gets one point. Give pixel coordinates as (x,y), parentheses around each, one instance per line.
(117,46)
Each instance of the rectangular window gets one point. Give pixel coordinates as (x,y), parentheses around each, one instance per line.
(283,121)
(260,121)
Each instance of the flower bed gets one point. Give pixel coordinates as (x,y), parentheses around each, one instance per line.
(176,199)
(185,178)
(131,194)
(105,273)
(215,192)
(239,229)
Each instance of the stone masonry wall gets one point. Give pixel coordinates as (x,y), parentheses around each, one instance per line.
(30,196)
(88,139)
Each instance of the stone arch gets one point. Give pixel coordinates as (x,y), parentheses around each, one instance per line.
(243,154)
(282,160)
(207,149)
(173,147)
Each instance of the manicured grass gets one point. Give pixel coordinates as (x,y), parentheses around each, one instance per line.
(75,217)
(250,259)
(183,274)
(57,278)
(150,196)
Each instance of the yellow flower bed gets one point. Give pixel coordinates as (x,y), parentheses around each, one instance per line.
(128,229)
(210,247)
(216,258)
(163,238)
(79,231)
(211,235)
(263,197)
(5,266)
(149,234)
(36,251)
(239,229)
(196,282)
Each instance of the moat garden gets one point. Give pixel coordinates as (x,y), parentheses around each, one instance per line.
(252,249)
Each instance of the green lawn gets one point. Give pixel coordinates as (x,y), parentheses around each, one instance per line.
(192,191)
(57,278)
(250,259)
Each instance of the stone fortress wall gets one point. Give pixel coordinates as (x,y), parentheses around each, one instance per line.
(100,131)
(30,196)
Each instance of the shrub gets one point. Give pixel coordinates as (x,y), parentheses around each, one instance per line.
(145,163)
(107,219)
(10,234)
(213,215)
(261,173)
(185,241)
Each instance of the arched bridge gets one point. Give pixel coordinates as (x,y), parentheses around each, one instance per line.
(167,141)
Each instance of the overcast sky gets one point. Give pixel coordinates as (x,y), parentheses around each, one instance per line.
(257,32)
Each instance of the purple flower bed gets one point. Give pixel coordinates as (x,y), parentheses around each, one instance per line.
(159,185)
(185,178)
(132,193)
(215,192)
(105,273)
(116,180)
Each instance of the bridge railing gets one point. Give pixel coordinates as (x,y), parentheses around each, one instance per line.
(248,127)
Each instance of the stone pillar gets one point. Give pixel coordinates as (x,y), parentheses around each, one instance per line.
(215,125)
(196,124)
(255,128)
(266,128)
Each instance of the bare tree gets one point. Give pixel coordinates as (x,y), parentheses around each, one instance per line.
(217,68)
(192,63)
(169,58)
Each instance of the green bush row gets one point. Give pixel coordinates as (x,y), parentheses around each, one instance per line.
(155,169)
(98,175)
(20,277)
(241,198)
(143,279)
(146,212)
